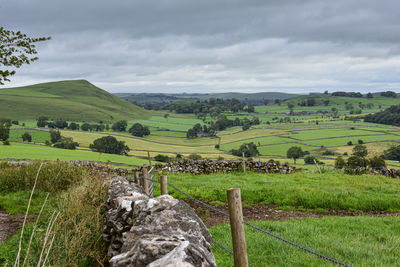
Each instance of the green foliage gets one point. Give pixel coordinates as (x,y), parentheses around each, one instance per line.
(26,137)
(377,162)
(393,153)
(294,153)
(162,158)
(5,125)
(389,94)
(249,150)
(16,49)
(55,136)
(357,162)
(139,130)
(360,150)
(349,143)
(109,144)
(66,143)
(42,121)
(120,126)
(390,116)
(311,159)
(340,163)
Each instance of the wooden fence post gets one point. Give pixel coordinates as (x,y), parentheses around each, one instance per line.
(146,183)
(237,227)
(137,178)
(164,185)
(243,163)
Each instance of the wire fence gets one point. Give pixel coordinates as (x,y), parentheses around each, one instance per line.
(254,227)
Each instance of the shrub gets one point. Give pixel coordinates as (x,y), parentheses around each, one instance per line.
(249,150)
(55,136)
(194,156)
(162,158)
(393,153)
(109,144)
(216,146)
(328,153)
(178,156)
(356,162)
(340,163)
(349,143)
(377,162)
(120,126)
(310,160)
(139,130)
(26,137)
(360,142)
(66,143)
(360,150)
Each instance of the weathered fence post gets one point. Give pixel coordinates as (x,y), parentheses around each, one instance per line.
(243,163)
(316,164)
(237,227)
(137,178)
(146,183)
(164,185)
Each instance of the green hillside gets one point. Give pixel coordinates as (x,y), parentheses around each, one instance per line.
(76,100)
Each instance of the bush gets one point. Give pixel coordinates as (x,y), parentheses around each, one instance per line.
(194,156)
(377,162)
(26,137)
(139,130)
(216,146)
(340,163)
(357,162)
(178,156)
(109,144)
(310,160)
(55,136)
(393,153)
(162,158)
(120,126)
(360,142)
(249,150)
(66,143)
(328,153)
(349,143)
(360,150)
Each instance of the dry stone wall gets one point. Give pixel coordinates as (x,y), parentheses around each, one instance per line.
(161,231)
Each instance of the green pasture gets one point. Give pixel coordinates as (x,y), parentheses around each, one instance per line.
(301,190)
(38,136)
(341,141)
(29,151)
(357,241)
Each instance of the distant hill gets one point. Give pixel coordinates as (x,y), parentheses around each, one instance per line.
(77,100)
(255,98)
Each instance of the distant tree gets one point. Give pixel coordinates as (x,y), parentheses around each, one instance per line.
(290,105)
(360,150)
(246,126)
(55,136)
(85,127)
(51,125)
(389,94)
(120,126)
(310,160)
(340,163)
(350,143)
(42,121)
(26,137)
(139,130)
(266,101)
(250,108)
(166,115)
(61,124)
(249,150)
(326,102)
(377,162)
(162,158)
(326,92)
(15,122)
(294,153)
(356,162)
(66,143)
(369,95)
(73,126)
(194,156)
(5,125)
(16,49)
(393,153)
(278,102)
(360,141)
(109,144)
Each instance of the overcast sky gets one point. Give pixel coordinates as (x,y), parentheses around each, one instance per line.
(212,45)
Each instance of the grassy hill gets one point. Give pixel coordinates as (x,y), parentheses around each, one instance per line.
(76,100)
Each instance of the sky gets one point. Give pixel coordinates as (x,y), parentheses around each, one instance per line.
(205,46)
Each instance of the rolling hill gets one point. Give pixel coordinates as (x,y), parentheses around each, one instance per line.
(77,100)
(254,98)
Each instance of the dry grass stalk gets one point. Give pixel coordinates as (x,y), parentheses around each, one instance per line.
(17,260)
(48,231)
(34,229)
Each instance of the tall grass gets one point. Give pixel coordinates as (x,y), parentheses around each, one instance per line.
(69,233)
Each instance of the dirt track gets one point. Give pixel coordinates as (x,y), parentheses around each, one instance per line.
(9,224)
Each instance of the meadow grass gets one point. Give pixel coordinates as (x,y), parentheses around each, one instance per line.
(29,151)
(357,241)
(327,191)
(38,136)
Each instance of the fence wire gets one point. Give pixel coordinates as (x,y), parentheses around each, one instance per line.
(255,227)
